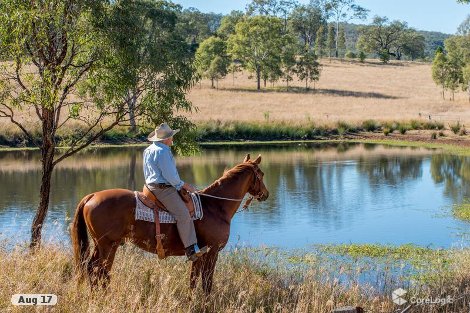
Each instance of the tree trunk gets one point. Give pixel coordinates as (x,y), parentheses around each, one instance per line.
(258,77)
(337,37)
(131,103)
(264,80)
(47,158)
(212,81)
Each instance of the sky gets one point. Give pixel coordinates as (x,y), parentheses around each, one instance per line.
(432,15)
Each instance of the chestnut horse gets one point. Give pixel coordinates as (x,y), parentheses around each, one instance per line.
(109,217)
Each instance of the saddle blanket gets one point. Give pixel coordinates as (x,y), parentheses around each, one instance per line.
(144,213)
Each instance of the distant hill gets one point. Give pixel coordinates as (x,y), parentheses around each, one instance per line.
(432,39)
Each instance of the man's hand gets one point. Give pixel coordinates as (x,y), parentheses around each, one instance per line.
(189,187)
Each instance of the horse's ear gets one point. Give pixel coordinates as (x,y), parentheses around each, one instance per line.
(247,158)
(258,160)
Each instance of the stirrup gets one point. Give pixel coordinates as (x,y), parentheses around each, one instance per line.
(193,252)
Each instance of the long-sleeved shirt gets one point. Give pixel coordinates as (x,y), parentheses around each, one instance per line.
(160,166)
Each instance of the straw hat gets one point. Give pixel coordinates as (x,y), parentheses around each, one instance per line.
(162,132)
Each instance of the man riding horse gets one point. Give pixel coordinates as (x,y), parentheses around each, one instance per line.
(163,180)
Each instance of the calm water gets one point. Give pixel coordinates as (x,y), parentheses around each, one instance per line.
(319,193)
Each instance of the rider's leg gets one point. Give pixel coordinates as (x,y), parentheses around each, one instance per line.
(175,205)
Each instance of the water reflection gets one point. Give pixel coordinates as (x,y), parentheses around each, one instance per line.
(321,193)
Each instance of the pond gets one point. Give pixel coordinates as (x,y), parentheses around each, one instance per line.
(320,193)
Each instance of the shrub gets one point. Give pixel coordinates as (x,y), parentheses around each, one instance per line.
(386,131)
(362,56)
(402,129)
(370,125)
(414,124)
(455,128)
(350,55)
(463,131)
(434,135)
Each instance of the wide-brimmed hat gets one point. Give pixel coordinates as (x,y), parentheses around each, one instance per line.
(162,132)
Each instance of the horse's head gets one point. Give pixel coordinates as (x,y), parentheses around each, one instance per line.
(257,189)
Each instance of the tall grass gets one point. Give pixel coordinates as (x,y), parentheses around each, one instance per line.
(246,280)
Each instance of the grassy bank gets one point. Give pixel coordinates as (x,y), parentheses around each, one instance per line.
(251,280)
(216,131)
(462,211)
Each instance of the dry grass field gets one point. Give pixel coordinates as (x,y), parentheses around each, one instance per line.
(347,91)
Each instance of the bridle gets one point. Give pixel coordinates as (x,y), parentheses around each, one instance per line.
(257,181)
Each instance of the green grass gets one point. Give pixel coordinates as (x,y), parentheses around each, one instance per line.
(462,211)
(403,252)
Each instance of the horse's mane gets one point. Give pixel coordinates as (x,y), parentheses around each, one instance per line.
(233,172)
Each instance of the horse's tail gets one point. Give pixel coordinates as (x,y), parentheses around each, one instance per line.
(79,236)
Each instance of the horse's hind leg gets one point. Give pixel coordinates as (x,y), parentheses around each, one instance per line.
(101,262)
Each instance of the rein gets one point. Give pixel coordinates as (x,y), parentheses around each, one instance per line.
(247,202)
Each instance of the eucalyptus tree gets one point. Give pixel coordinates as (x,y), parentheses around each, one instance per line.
(330,41)
(308,68)
(258,43)
(320,42)
(381,37)
(228,23)
(343,11)
(278,8)
(305,21)
(67,67)
(196,26)
(211,60)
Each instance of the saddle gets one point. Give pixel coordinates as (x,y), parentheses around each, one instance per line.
(150,200)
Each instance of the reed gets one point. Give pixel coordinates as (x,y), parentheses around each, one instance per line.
(246,280)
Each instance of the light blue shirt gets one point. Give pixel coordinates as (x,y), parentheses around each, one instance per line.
(160,166)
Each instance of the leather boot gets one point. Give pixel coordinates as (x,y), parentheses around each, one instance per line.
(193,252)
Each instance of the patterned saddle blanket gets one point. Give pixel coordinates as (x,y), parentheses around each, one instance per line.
(144,213)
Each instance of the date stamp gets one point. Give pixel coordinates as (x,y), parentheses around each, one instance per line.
(34,299)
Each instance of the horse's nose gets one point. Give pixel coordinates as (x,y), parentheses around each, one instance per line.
(265,195)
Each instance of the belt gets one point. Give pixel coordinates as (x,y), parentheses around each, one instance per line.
(161,186)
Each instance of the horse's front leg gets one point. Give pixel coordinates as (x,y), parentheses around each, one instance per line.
(208,268)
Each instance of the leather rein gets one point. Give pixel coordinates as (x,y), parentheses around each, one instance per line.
(250,199)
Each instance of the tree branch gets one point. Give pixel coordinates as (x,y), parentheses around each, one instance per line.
(10,115)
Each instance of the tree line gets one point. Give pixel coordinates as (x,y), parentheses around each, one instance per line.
(280,39)
(451,64)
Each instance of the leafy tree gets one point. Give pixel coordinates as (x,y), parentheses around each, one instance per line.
(211,59)
(196,26)
(466,79)
(288,59)
(258,43)
(440,71)
(278,8)
(330,42)
(308,68)
(305,21)
(320,42)
(458,55)
(411,44)
(464,27)
(362,56)
(342,42)
(228,23)
(64,65)
(343,11)
(381,37)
